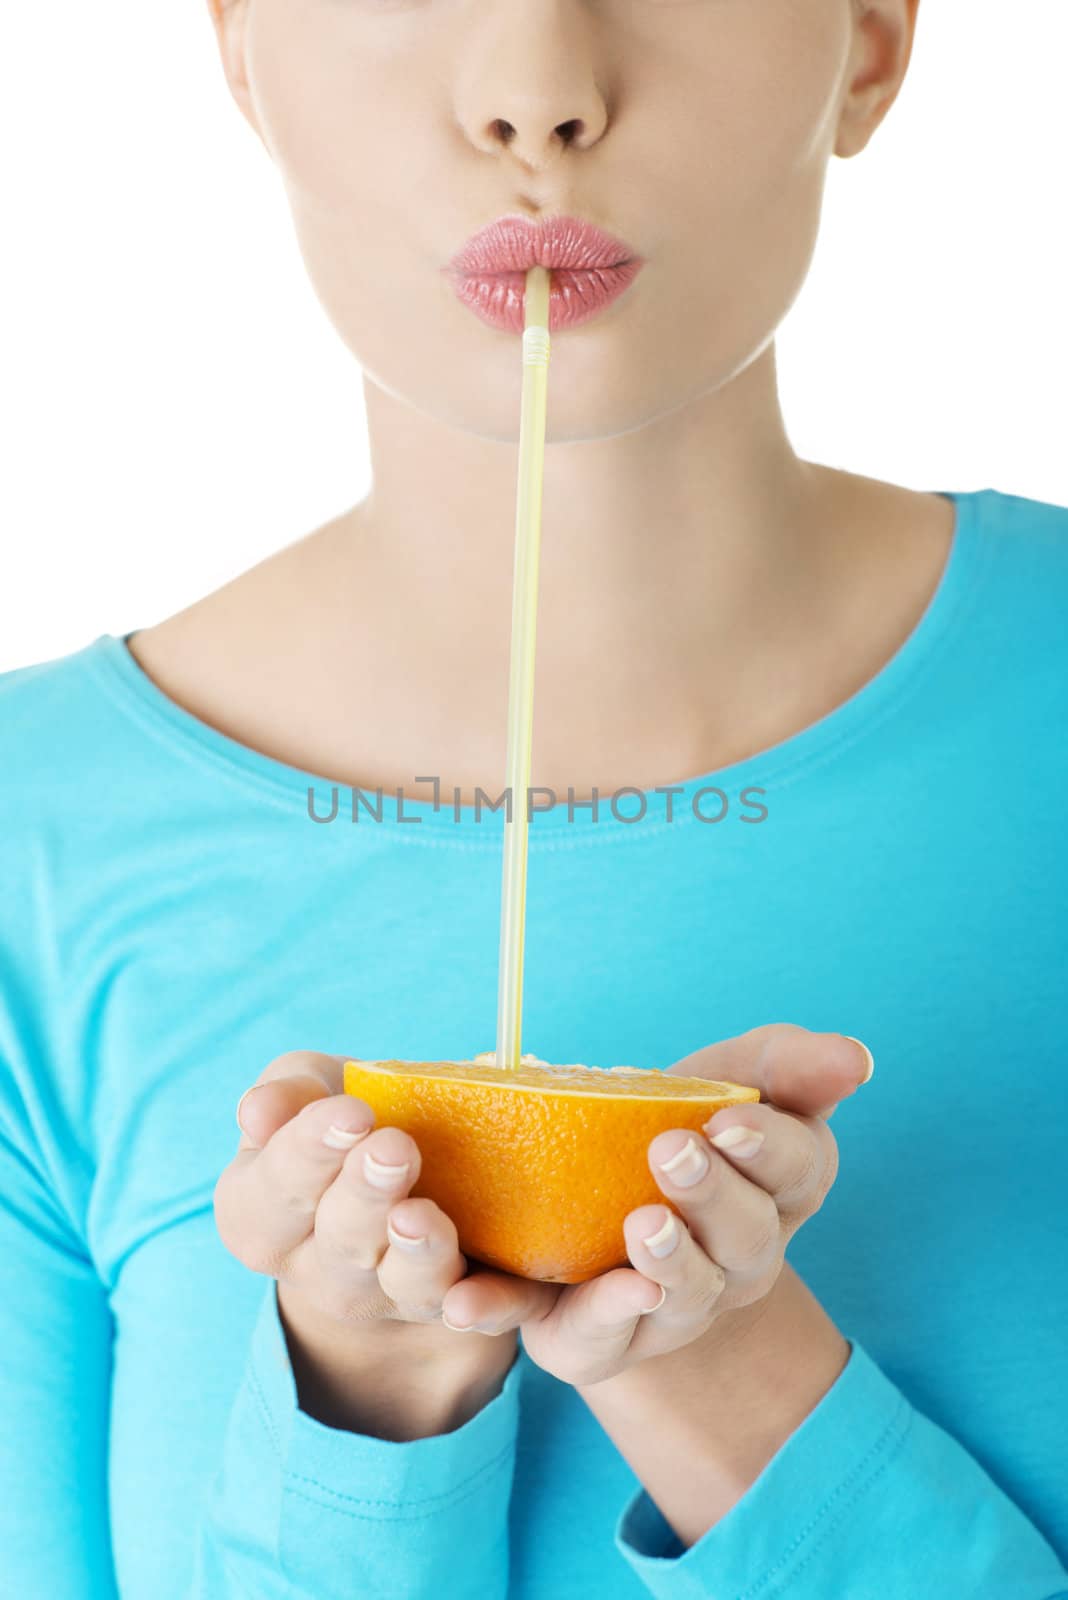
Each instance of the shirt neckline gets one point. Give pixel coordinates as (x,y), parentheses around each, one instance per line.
(269,779)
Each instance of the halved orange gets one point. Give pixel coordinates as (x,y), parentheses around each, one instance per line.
(537,1167)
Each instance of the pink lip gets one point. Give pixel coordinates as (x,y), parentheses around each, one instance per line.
(588,270)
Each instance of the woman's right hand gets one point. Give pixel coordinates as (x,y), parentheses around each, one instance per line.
(315,1197)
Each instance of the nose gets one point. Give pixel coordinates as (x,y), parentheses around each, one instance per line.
(529,81)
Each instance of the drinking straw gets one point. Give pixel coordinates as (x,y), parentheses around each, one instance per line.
(521,672)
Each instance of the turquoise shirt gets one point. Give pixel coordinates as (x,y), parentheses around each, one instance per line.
(172,918)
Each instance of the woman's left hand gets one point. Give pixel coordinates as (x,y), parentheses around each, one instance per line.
(740,1202)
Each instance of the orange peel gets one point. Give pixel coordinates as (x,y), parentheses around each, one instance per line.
(537,1166)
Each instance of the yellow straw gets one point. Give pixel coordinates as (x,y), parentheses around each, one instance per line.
(521,674)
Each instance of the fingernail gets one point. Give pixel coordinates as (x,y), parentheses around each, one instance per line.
(379,1176)
(687,1167)
(469,1328)
(868,1054)
(649,1309)
(343,1138)
(240,1103)
(405,1241)
(738,1141)
(664,1240)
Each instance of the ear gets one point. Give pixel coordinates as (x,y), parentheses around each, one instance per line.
(883,31)
(229,18)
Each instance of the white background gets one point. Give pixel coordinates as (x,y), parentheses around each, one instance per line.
(176,405)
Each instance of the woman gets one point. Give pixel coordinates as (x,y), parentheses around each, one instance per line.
(271,1372)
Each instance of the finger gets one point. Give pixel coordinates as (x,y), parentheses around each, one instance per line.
(662,1248)
(266,1199)
(281,1089)
(495,1302)
(350,1223)
(421,1261)
(734,1222)
(800,1070)
(795,1159)
(592,1324)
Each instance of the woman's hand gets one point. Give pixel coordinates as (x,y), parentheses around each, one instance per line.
(305,1212)
(740,1201)
(316,1197)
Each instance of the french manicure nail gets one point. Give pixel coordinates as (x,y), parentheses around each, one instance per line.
(405,1241)
(867,1052)
(687,1167)
(381,1176)
(240,1103)
(738,1141)
(664,1240)
(343,1138)
(649,1309)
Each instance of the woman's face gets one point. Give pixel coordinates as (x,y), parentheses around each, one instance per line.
(700,133)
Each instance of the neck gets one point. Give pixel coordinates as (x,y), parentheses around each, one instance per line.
(671,557)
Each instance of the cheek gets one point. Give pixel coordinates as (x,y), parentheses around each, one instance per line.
(740,183)
(766,97)
(319,98)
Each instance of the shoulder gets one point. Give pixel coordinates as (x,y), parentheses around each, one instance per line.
(1024,527)
(59,727)
(1019,549)
(55,687)
(56,684)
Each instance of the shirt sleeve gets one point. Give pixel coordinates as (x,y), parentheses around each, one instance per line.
(306,1512)
(55,1386)
(867,1498)
(296,1511)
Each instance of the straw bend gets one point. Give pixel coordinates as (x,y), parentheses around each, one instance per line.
(536,347)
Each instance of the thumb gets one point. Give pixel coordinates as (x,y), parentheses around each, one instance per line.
(286,1086)
(798,1070)
(496,1302)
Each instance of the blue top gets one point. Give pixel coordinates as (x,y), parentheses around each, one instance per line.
(172,919)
